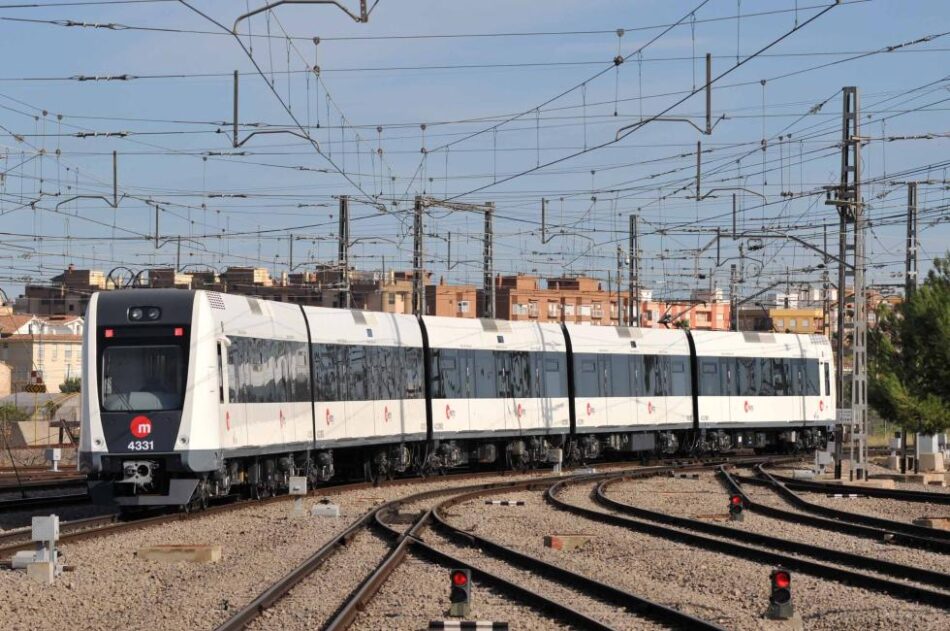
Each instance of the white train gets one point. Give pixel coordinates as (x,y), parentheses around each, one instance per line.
(189,394)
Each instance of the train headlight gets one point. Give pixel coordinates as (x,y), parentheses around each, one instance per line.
(136,314)
(153,313)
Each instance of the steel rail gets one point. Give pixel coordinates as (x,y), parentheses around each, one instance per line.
(591,587)
(65,527)
(833,525)
(897,570)
(868,520)
(349,609)
(42,484)
(758,555)
(28,503)
(893,494)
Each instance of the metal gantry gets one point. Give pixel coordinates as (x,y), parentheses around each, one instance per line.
(847,200)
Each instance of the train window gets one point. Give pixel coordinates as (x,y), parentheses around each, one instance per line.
(679,377)
(301,372)
(637,387)
(446,376)
(586,382)
(709,383)
(233,382)
(328,372)
(502,374)
(414,385)
(812,385)
(555,379)
(827,379)
(485,387)
(356,373)
(729,384)
(220,376)
(520,375)
(779,382)
(619,376)
(142,378)
(747,380)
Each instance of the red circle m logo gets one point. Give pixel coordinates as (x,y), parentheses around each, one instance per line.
(590,409)
(821,406)
(746,406)
(141,426)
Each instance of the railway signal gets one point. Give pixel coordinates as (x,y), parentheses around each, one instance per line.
(460,592)
(780,598)
(735,507)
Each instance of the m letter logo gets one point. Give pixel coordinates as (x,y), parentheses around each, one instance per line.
(141,426)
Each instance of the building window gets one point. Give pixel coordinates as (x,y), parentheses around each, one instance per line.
(585,311)
(519,309)
(392,299)
(598,310)
(568,310)
(463,306)
(533,309)
(553,309)
(779,323)
(68,354)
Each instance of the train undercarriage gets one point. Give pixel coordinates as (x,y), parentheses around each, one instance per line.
(162,480)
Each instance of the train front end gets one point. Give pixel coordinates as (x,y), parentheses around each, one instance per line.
(142,440)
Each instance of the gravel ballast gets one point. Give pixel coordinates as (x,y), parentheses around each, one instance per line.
(704,498)
(721,588)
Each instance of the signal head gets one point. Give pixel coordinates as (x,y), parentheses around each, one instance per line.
(459,578)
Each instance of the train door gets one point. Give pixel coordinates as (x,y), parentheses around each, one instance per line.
(711,403)
(360,410)
(505,390)
(589,377)
(230,408)
(617,392)
(523,401)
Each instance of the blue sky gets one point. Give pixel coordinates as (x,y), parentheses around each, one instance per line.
(244,209)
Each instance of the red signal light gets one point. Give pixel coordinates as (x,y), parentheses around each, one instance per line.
(735,500)
(109,333)
(782,580)
(179,331)
(459,579)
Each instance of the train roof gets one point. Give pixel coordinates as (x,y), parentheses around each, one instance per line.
(494,334)
(627,339)
(754,343)
(369,328)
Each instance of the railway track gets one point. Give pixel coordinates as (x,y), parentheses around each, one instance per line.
(39,502)
(758,548)
(836,520)
(812,486)
(404,541)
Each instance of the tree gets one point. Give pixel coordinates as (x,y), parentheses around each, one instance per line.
(72,384)
(909,356)
(12,414)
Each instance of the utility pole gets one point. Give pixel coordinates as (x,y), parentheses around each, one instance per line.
(910,266)
(851,211)
(825,290)
(733,298)
(634,298)
(343,260)
(621,312)
(418,284)
(488,256)
(910,280)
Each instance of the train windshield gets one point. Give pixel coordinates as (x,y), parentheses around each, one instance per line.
(142,378)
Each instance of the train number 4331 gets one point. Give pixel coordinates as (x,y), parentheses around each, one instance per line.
(141,445)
